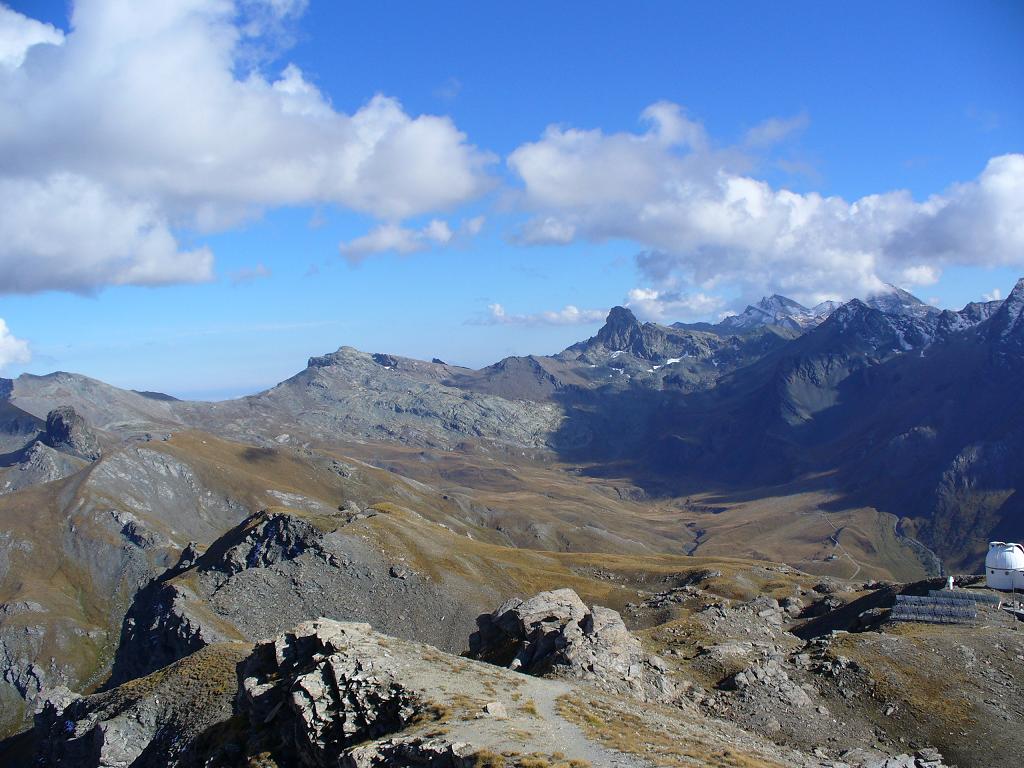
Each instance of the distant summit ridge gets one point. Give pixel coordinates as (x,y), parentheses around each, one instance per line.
(621,330)
(781,311)
(784,312)
(1008,321)
(895,301)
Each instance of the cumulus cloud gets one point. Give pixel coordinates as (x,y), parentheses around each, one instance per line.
(394,238)
(569,315)
(19,33)
(12,350)
(69,232)
(157,109)
(706,223)
(670,306)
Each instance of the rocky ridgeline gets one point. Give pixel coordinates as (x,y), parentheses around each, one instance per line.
(66,444)
(329,693)
(273,571)
(555,633)
(339,694)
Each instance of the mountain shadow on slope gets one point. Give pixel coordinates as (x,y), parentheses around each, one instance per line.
(927,426)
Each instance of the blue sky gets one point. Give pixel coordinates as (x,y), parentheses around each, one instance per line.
(745,148)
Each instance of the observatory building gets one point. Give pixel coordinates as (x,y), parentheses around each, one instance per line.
(1004,566)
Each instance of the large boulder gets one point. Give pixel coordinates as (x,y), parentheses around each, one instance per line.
(67,431)
(326,686)
(555,634)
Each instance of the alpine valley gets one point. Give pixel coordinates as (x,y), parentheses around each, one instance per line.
(713,519)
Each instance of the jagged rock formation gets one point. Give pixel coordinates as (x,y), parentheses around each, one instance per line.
(554,633)
(324,693)
(326,687)
(328,693)
(39,464)
(778,310)
(272,571)
(1007,327)
(171,718)
(68,432)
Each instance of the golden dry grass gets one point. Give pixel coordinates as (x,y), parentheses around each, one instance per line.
(632,734)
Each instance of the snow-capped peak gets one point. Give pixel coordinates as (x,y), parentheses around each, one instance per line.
(892,300)
(781,311)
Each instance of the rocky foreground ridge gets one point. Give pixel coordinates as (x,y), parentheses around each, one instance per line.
(329,693)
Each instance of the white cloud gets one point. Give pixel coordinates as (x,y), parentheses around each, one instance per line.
(920,274)
(705,223)
(19,33)
(12,350)
(995,295)
(672,306)
(396,239)
(569,315)
(68,232)
(472,227)
(154,108)
(775,129)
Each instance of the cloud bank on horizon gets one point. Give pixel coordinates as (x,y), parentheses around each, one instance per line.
(146,127)
(704,222)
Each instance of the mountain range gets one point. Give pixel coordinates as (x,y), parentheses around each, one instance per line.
(900,405)
(876,439)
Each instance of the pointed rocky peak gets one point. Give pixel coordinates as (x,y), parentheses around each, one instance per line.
(777,310)
(892,300)
(971,315)
(1008,321)
(825,308)
(777,302)
(67,431)
(852,311)
(619,330)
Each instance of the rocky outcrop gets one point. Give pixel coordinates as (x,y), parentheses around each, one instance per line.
(325,686)
(322,694)
(39,464)
(67,431)
(1006,330)
(273,571)
(621,330)
(309,697)
(175,717)
(554,633)
(166,623)
(268,540)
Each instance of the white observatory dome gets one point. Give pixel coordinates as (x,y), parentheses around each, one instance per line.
(1004,565)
